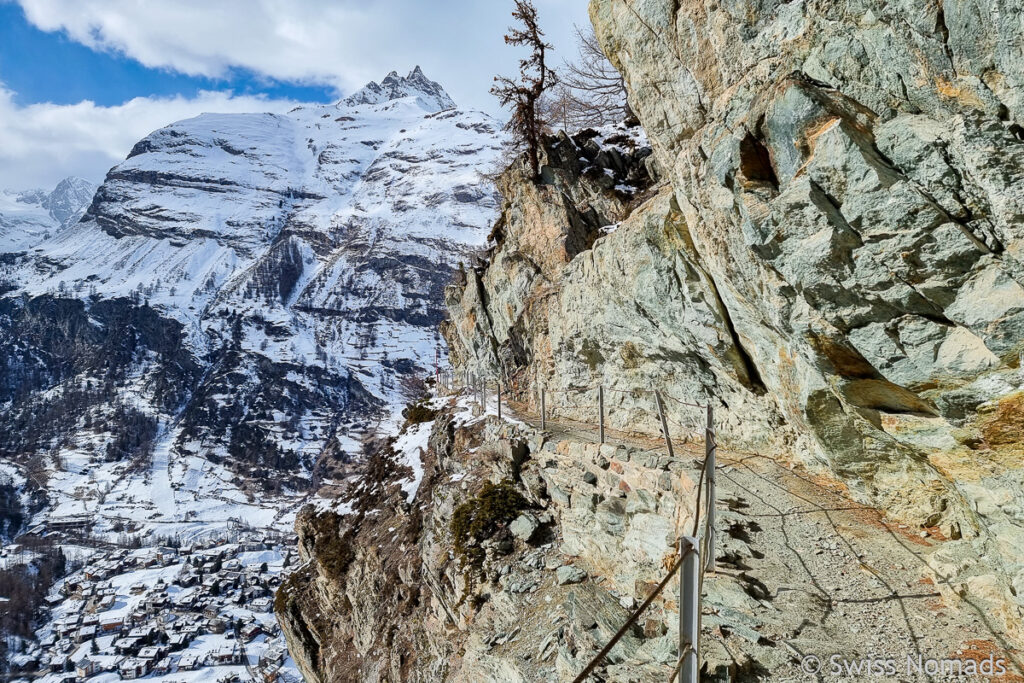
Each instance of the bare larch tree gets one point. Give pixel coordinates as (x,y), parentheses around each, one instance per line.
(535,78)
(591,92)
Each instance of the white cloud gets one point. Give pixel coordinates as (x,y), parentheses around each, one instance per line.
(343,43)
(304,41)
(42,143)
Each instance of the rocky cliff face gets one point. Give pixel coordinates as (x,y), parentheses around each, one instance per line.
(818,233)
(829,255)
(515,560)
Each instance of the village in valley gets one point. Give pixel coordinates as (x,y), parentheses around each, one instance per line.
(175,613)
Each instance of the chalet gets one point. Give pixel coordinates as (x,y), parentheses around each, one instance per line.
(216,625)
(106,602)
(58,664)
(189,662)
(137,588)
(67,626)
(166,552)
(156,603)
(69,523)
(134,667)
(251,630)
(127,646)
(86,667)
(152,652)
(187,578)
(162,667)
(226,656)
(111,624)
(143,633)
(274,655)
(86,633)
(261,604)
(185,600)
(179,641)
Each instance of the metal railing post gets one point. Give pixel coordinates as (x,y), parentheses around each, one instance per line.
(664,424)
(543,409)
(499,398)
(710,448)
(600,410)
(689,609)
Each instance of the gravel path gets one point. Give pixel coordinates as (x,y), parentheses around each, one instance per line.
(814,586)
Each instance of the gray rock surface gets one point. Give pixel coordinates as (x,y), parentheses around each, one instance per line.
(569,574)
(830,257)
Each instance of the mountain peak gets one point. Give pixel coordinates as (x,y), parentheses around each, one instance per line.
(430,93)
(69,199)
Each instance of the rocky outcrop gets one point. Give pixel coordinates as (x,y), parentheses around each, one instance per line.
(570,537)
(829,256)
(522,552)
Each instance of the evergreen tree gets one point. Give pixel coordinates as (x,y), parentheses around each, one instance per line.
(535,77)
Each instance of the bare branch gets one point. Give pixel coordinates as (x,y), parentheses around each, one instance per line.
(591,91)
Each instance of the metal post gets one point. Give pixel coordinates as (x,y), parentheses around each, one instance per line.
(664,424)
(689,608)
(710,447)
(600,409)
(499,398)
(543,410)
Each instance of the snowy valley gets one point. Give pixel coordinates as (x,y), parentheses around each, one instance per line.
(242,303)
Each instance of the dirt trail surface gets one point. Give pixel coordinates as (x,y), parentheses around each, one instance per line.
(814,586)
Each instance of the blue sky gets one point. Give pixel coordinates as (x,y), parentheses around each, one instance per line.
(82,80)
(50,67)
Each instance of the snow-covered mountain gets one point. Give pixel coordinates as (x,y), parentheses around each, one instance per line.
(239,304)
(394,87)
(28,217)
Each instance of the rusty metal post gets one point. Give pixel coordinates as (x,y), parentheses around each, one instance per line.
(600,410)
(710,448)
(689,609)
(664,423)
(543,409)
(499,398)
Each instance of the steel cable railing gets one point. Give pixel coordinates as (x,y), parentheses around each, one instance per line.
(692,549)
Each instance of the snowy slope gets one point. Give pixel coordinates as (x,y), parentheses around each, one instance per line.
(27,218)
(241,301)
